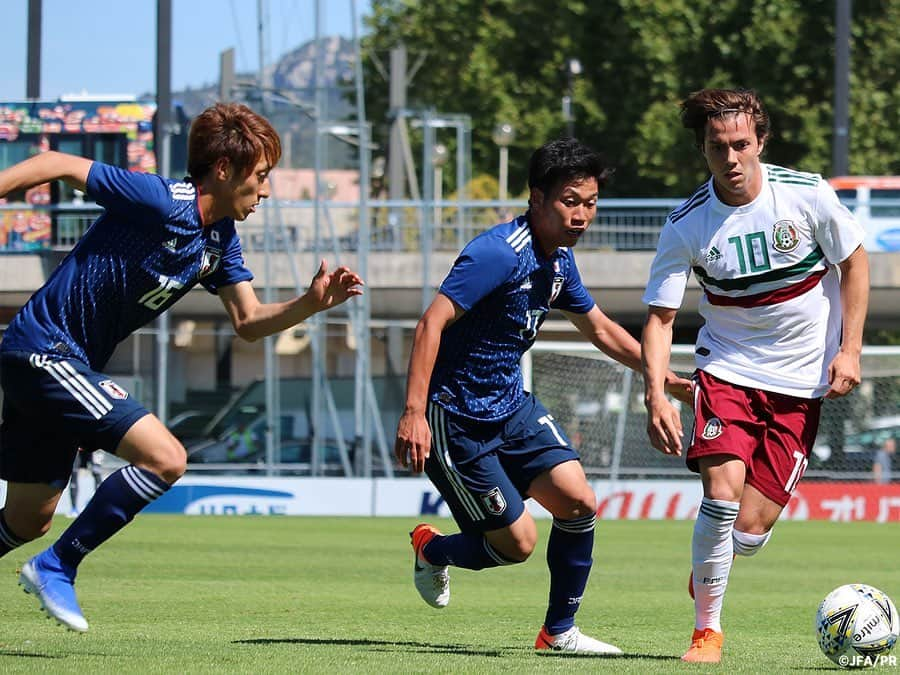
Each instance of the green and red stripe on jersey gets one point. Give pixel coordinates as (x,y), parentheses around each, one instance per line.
(793,290)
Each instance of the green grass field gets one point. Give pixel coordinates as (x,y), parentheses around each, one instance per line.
(271,595)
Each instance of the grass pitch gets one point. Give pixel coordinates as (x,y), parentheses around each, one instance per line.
(285,595)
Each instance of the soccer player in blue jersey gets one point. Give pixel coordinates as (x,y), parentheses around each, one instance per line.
(485,442)
(156,239)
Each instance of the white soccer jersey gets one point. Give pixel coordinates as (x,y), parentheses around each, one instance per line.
(771,300)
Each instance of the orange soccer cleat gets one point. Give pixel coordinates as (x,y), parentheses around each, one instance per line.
(706,647)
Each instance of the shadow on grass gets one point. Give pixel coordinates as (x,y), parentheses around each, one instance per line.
(431,648)
(28,655)
(620,657)
(379,645)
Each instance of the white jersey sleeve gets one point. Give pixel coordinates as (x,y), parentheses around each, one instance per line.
(670,270)
(837,231)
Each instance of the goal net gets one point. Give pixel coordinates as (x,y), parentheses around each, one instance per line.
(600,404)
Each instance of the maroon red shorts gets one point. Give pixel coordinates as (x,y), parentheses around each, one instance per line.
(771,433)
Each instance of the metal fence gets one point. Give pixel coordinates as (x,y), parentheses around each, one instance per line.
(622,224)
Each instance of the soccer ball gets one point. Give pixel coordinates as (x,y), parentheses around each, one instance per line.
(856,625)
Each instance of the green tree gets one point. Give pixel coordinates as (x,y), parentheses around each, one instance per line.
(502,60)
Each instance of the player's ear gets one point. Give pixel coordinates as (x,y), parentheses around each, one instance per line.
(536,198)
(223,169)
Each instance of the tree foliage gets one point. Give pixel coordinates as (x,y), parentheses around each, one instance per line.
(504,60)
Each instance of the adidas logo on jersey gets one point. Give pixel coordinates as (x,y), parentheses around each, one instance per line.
(172,244)
(526,285)
(713,254)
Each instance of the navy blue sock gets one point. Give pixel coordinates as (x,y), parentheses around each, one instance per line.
(471,551)
(116,502)
(8,540)
(569,558)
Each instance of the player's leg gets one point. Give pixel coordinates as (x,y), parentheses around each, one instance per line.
(712,550)
(566,494)
(778,467)
(157,459)
(495,528)
(87,405)
(754,523)
(27,514)
(36,454)
(726,433)
(37,462)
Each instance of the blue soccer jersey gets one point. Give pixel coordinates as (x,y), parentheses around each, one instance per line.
(147,250)
(506,288)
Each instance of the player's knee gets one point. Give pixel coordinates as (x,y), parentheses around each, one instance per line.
(747,544)
(519,549)
(583,505)
(517,543)
(168,462)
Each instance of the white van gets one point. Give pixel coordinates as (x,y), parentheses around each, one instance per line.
(875,201)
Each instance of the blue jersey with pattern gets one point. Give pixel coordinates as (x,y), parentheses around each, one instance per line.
(506,288)
(147,250)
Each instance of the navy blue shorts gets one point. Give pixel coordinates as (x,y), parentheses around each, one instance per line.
(483,469)
(52,407)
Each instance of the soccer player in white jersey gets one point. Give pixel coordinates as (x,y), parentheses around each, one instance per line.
(785,283)
(156,239)
(485,442)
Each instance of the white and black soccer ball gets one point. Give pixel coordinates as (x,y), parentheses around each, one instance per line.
(857,625)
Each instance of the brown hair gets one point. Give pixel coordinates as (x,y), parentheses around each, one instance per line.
(702,105)
(233,131)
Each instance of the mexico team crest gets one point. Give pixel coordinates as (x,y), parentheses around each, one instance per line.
(113,390)
(210,263)
(494,501)
(785,237)
(713,428)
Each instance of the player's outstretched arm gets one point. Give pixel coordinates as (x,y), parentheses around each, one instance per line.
(617,343)
(253,320)
(413,442)
(663,420)
(43,168)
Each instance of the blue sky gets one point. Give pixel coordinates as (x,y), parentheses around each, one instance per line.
(109,46)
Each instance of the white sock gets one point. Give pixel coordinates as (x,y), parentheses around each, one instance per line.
(712,550)
(749,544)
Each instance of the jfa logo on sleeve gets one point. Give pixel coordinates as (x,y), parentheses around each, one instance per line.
(210,263)
(558,281)
(114,390)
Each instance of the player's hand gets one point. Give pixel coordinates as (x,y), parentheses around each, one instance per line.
(680,388)
(844,373)
(330,289)
(413,443)
(664,426)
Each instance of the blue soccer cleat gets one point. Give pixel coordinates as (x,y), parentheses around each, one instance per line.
(53,582)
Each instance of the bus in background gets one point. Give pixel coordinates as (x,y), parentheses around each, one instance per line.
(875,201)
(118,132)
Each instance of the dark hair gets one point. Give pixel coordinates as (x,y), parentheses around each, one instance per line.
(564,160)
(233,131)
(700,106)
